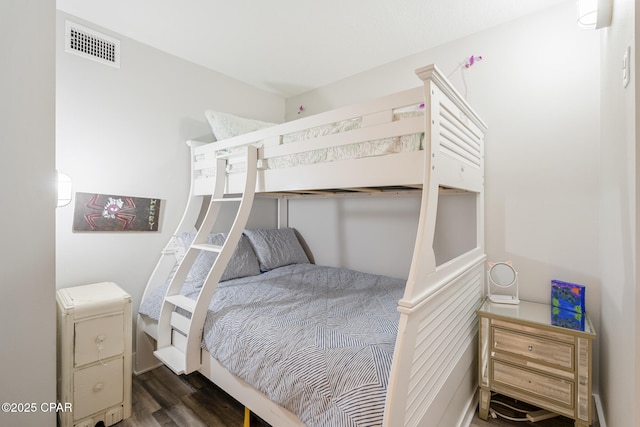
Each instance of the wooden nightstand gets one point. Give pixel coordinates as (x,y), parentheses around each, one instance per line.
(523,355)
(94,354)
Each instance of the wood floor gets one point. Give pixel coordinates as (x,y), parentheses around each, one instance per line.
(161,398)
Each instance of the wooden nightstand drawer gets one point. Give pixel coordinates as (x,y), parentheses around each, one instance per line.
(97,387)
(555,353)
(98,339)
(543,386)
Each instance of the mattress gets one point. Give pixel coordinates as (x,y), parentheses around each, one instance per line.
(379,147)
(316,340)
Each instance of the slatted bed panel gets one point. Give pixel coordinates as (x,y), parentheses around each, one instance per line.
(446,327)
(457,143)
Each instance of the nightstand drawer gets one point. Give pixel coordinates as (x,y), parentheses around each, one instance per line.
(97,387)
(540,349)
(98,339)
(542,386)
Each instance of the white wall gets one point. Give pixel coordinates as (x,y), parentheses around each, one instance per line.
(376,233)
(354,232)
(27,258)
(123,132)
(619,334)
(537,88)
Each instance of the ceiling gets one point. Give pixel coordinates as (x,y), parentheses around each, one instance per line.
(291,46)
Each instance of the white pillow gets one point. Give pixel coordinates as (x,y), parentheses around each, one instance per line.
(225,125)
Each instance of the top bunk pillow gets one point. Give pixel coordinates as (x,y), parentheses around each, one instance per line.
(225,125)
(276,247)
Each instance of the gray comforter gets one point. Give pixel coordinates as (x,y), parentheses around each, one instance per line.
(316,340)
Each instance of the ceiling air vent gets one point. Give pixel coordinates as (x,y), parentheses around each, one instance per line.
(91,44)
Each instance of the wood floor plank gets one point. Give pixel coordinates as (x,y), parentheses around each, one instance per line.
(161,394)
(163,418)
(139,420)
(172,382)
(184,416)
(209,413)
(196,380)
(141,400)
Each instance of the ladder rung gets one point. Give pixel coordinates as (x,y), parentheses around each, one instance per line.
(173,358)
(180,323)
(229,199)
(207,247)
(182,302)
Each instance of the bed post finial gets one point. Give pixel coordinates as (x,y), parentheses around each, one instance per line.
(431,73)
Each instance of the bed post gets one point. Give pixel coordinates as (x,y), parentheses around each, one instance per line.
(438,326)
(423,262)
(283,212)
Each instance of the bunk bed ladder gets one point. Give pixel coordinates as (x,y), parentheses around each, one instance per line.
(181,319)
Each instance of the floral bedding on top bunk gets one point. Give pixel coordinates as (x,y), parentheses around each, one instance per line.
(316,340)
(226,125)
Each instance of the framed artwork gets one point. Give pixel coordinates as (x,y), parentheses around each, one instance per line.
(568,296)
(105,212)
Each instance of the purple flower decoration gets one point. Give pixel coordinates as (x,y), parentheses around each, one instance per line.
(472,60)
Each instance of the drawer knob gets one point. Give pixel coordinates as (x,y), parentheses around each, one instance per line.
(530,348)
(98,387)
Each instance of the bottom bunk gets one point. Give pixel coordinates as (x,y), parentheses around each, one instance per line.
(301,344)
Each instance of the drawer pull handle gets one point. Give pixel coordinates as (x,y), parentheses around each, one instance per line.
(100,346)
(530,348)
(98,387)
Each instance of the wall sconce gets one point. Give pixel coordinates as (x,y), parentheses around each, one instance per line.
(64,189)
(594,14)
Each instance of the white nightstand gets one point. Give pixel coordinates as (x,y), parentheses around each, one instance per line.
(94,354)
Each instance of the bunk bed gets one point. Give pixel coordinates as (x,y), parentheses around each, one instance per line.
(427,138)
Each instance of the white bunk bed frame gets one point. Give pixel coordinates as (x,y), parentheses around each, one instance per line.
(435,347)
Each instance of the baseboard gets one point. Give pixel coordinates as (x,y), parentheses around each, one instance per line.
(142,371)
(599,411)
(471,410)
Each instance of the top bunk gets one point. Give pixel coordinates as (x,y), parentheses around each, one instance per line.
(412,139)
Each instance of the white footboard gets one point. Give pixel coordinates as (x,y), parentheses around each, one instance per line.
(435,332)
